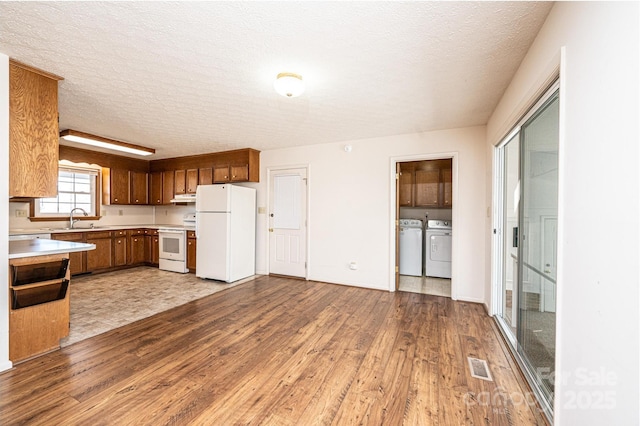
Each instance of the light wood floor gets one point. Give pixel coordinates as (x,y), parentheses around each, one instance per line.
(278,351)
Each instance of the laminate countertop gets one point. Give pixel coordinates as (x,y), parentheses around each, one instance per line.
(30,231)
(43,247)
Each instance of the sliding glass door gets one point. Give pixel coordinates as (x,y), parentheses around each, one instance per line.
(526,241)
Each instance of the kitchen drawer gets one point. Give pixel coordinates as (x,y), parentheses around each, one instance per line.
(99,234)
(134,232)
(191,234)
(120,233)
(150,232)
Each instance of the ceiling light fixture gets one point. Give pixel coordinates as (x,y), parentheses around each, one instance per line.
(89,139)
(289,84)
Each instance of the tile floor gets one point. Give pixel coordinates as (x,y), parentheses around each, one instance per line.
(425,285)
(102,302)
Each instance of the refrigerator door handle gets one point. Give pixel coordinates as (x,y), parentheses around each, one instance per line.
(197,225)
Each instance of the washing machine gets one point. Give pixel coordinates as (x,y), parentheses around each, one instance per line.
(411,247)
(438,249)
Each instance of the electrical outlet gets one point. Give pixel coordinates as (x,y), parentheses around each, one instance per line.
(262,210)
(21,213)
(103,213)
(120,212)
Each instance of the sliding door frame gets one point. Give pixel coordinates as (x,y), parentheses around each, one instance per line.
(498,240)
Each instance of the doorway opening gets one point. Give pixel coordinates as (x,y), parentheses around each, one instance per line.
(424,225)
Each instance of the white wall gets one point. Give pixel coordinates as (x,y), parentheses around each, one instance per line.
(4,209)
(597,303)
(350,206)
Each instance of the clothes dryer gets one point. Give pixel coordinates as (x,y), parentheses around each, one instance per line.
(438,249)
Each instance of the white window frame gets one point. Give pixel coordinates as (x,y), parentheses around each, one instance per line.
(92,211)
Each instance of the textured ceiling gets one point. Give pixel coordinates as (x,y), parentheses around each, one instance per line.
(195,77)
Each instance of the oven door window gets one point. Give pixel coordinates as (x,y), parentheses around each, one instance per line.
(172,247)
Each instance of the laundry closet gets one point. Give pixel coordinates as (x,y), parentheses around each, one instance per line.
(425,198)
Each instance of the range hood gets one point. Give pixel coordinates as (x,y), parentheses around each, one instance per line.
(184,198)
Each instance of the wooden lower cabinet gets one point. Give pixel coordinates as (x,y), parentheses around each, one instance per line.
(120,251)
(38,311)
(191,251)
(136,251)
(77,261)
(152,249)
(102,256)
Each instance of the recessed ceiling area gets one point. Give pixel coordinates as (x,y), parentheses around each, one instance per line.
(196,77)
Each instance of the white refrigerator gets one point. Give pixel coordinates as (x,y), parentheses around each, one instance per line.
(225,232)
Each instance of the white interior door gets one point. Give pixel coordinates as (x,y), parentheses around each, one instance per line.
(287,222)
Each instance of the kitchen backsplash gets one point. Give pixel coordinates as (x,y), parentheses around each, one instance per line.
(111,216)
(172,215)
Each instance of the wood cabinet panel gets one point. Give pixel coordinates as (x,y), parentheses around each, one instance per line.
(406,185)
(136,248)
(447,194)
(120,251)
(221,174)
(102,256)
(139,188)
(155,188)
(180,182)
(191,181)
(115,186)
(240,173)
(168,186)
(427,183)
(38,328)
(248,159)
(76,260)
(33,132)
(191,254)
(205,176)
(152,249)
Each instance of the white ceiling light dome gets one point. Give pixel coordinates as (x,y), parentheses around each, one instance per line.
(289,84)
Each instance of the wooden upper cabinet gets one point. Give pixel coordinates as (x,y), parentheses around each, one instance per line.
(429,182)
(205,176)
(139,188)
(447,187)
(115,186)
(191,181)
(168,186)
(33,132)
(155,188)
(240,173)
(240,165)
(405,185)
(237,173)
(180,182)
(221,174)
(427,187)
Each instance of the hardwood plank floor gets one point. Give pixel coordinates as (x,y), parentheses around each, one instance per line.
(278,351)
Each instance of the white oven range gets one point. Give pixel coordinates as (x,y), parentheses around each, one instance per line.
(173,249)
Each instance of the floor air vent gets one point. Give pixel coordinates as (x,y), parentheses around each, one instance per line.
(479,369)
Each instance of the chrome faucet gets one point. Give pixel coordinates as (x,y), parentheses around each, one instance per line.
(72,220)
